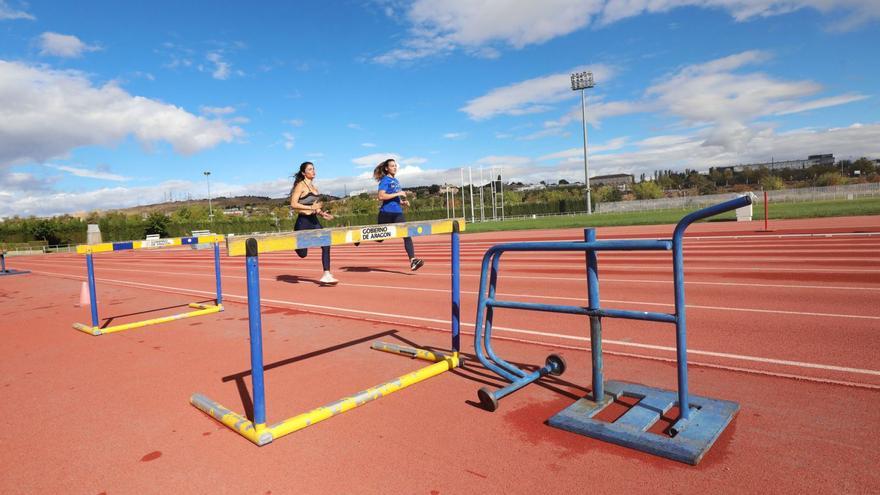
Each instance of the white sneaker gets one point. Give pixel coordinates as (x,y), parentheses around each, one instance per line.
(328,279)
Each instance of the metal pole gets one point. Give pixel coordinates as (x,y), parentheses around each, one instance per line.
(256,332)
(471,185)
(2,262)
(595,321)
(447,200)
(452,195)
(586,167)
(217,273)
(501,185)
(494,204)
(456,288)
(210,208)
(463,211)
(482,216)
(765,211)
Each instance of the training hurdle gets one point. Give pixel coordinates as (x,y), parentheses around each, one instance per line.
(4,271)
(201,309)
(698,425)
(257,431)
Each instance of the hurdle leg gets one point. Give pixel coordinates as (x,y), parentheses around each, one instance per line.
(456,288)
(93,296)
(256,334)
(680,330)
(217,273)
(595,321)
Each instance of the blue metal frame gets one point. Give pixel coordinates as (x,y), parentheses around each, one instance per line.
(90,268)
(255,325)
(217,273)
(256,331)
(4,271)
(520,378)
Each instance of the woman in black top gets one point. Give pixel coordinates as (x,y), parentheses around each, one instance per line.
(305,201)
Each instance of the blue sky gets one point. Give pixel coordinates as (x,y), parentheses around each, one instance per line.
(110,104)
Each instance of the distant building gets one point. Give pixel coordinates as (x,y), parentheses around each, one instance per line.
(624,182)
(811,160)
(233,212)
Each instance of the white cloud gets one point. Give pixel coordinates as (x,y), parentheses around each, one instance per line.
(455,135)
(221,69)
(721,94)
(46,113)
(368,145)
(296,122)
(354,126)
(88,173)
(373,159)
(25,194)
(439,27)
(217,110)
(64,45)
(530,96)
(8,13)
(289,140)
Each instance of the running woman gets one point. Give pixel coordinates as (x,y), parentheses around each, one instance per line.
(304,200)
(393,199)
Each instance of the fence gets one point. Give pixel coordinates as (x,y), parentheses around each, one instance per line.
(806,194)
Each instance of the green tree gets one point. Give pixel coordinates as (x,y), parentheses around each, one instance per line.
(44,230)
(771,183)
(647,190)
(156,223)
(829,179)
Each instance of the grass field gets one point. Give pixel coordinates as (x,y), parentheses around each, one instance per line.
(839,208)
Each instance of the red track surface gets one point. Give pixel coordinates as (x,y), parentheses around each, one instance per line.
(783,323)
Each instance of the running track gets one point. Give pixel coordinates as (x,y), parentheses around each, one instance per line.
(779,303)
(783,322)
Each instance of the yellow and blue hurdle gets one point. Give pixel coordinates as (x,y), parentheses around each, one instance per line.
(257,430)
(201,309)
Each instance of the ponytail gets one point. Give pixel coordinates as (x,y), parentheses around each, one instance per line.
(381,170)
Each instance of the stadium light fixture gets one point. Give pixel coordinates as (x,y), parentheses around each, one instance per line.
(581,81)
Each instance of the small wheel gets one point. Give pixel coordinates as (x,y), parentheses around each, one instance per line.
(556,363)
(487,399)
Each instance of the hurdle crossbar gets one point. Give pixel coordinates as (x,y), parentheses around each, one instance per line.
(201,309)
(256,430)
(287,241)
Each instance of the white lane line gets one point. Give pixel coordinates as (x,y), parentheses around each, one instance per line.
(331,310)
(574,279)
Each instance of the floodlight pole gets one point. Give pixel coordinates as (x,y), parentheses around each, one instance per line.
(581,81)
(210,208)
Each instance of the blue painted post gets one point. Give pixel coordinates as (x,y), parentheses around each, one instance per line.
(456,288)
(680,326)
(595,321)
(217,272)
(256,330)
(93,297)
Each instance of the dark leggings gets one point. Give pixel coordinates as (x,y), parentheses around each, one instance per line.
(398,218)
(309,222)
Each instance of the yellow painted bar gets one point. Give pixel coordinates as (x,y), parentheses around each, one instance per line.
(260,435)
(257,434)
(286,241)
(143,244)
(407,351)
(304,420)
(205,309)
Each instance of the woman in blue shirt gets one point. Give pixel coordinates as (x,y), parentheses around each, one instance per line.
(393,200)
(304,199)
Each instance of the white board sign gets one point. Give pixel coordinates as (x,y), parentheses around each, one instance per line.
(378,232)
